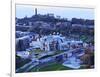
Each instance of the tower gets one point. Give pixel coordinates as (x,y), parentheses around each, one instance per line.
(35,11)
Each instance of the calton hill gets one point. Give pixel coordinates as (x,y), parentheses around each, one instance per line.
(47,24)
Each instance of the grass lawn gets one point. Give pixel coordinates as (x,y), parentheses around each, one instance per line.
(58,52)
(51,67)
(36,51)
(39,51)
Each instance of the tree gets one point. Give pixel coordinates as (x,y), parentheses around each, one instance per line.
(88,58)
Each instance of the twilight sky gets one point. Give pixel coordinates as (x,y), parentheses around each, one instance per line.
(29,10)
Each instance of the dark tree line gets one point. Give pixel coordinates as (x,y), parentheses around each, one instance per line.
(52,19)
(82,21)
